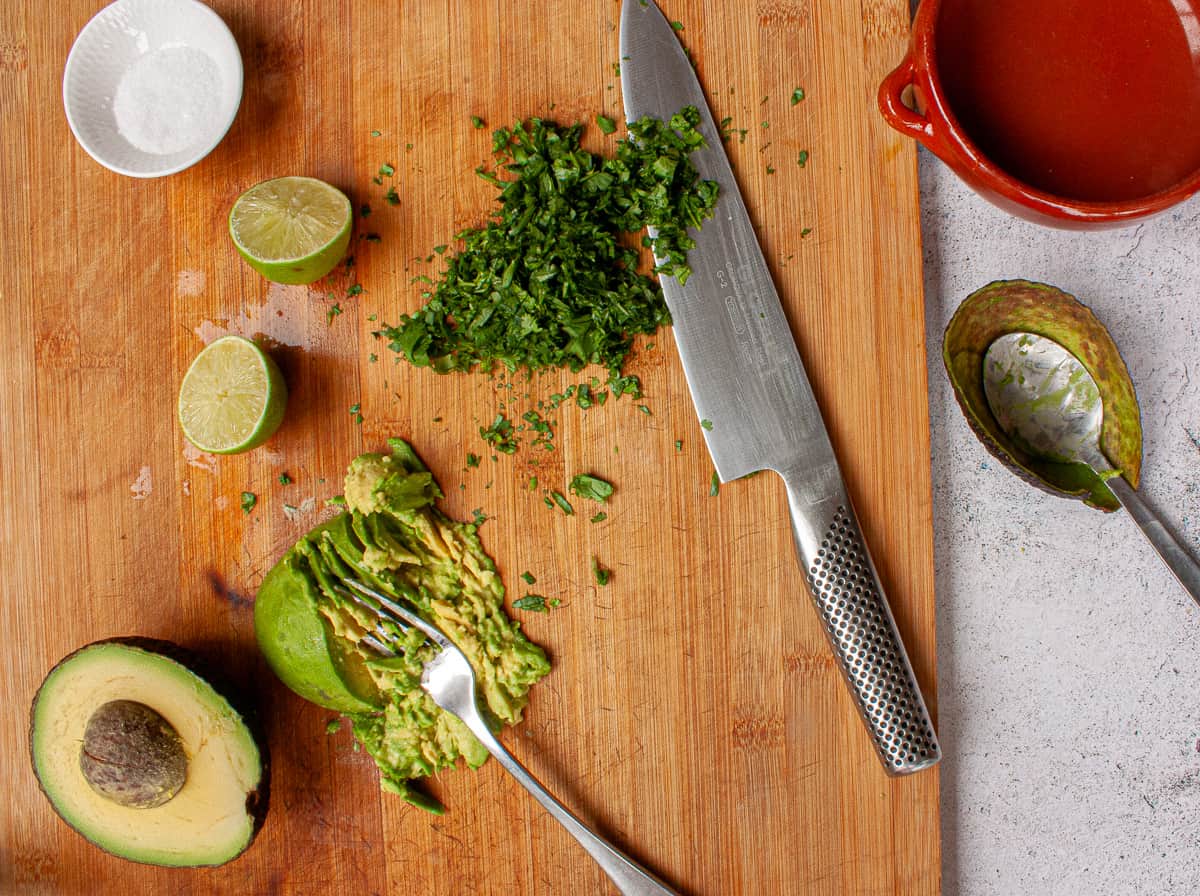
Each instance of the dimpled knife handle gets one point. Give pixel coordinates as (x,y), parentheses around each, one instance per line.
(858,621)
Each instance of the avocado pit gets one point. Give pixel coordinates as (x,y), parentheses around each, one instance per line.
(132,755)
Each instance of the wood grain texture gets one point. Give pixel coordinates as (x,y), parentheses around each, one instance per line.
(694,713)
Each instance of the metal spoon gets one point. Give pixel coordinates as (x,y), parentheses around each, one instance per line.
(1049,404)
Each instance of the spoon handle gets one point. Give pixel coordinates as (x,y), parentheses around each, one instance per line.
(1178,559)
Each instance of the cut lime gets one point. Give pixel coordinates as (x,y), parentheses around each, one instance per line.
(232,398)
(292,229)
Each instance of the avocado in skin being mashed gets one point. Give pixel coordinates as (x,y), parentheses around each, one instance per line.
(396,541)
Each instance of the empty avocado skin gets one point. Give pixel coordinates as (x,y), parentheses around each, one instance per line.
(1009,306)
(394,540)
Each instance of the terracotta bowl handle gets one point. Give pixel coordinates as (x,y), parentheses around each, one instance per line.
(898,115)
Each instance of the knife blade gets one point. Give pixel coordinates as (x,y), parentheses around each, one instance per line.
(758,410)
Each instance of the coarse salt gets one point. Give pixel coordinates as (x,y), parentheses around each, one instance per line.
(168,100)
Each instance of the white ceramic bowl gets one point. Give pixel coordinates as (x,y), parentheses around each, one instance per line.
(117,39)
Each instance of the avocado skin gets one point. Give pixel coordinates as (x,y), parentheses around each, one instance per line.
(288,592)
(1009,306)
(257,801)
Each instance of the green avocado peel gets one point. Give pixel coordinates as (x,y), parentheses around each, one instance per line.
(393,538)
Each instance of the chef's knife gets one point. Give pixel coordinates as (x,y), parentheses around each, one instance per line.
(758,409)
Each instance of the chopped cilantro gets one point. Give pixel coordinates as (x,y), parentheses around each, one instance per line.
(334,310)
(606,124)
(372,357)
(805,232)
(480,517)
(376,133)
(591,487)
(600,517)
(355,289)
(365,209)
(392,196)
(706,424)
(602,575)
(533,483)
(534,602)
(333,726)
(563,504)
(528,577)
(386,170)
(802,159)
(285,479)
(478,122)
(249,499)
(500,435)
(548,281)
(797,95)
(770,170)
(679,444)
(645,410)
(678,26)
(336,501)
(714,486)
(356,412)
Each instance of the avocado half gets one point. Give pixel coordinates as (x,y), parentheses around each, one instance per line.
(1010,306)
(113,775)
(394,539)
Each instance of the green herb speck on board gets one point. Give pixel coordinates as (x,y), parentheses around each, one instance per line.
(797,95)
(472,459)
(478,122)
(600,517)
(706,424)
(392,196)
(591,487)
(563,504)
(356,412)
(534,602)
(376,133)
(679,444)
(249,499)
(714,486)
(602,575)
(365,209)
(606,124)
(334,310)
(802,159)
(285,479)
(528,577)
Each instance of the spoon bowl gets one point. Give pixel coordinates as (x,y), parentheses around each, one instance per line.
(1048,403)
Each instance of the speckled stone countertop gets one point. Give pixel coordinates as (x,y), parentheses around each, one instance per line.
(1068,657)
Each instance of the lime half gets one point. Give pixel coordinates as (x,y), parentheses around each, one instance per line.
(232,398)
(292,229)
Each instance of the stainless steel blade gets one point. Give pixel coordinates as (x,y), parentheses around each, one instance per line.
(745,373)
(758,410)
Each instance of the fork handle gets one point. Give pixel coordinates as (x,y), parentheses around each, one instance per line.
(630,878)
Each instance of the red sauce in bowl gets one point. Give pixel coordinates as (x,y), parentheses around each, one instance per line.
(1094,100)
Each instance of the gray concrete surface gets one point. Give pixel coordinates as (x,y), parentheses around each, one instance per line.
(1069,659)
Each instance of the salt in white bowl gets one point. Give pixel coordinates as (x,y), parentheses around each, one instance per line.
(151,86)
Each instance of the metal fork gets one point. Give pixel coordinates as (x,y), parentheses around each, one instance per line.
(449,679)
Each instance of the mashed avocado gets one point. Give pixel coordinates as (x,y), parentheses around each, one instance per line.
(395,540)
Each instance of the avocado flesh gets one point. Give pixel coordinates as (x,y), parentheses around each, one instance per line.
(394,540)
(212,818)
(1009,306)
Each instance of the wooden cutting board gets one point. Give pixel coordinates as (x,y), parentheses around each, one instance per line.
(694,713)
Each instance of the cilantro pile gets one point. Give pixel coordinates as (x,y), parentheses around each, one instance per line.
(548,282)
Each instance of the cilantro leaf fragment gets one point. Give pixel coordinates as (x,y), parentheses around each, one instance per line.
(249,499)
(606,124)
(706,424)
(714,486)
(528,577)
(500,435)
(563,504)
(591,487)
(602,575)
(600,517)
(534,602)
(285,479)
(802,159)
(797,95)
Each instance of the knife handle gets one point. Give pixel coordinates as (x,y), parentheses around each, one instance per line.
(858,622)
